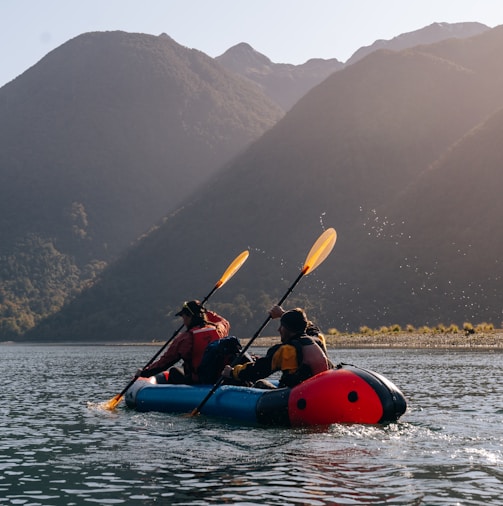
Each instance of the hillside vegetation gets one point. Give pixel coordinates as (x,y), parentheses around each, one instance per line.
(400,152)
(133,169)
(98,141)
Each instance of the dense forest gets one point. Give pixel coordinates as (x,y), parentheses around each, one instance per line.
(98,141)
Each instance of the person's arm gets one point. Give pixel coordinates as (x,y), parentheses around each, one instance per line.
(222,326)
(179,349)
(265,366)
(276,312)
(252,371)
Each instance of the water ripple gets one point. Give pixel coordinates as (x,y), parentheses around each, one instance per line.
(55,449)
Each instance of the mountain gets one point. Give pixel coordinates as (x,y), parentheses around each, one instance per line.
(424,36)
(283,83)
(98,141)
(387,151)
(443,234)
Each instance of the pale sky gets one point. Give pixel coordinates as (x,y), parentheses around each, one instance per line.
(286,31)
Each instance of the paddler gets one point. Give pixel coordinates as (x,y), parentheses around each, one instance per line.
(202,327)
(298,356)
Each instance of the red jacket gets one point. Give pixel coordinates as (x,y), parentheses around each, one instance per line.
(182,345)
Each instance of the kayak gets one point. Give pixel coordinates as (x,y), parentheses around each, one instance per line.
(345,394)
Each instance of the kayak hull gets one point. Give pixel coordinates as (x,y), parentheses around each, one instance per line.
(346,394)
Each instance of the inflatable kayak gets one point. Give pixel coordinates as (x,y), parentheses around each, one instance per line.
(346,394)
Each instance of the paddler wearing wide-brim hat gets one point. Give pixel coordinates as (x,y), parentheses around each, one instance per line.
(202,326)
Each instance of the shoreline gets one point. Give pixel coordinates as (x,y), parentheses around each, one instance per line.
(478,340)
(489,340)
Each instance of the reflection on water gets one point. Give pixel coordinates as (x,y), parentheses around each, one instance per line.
(55,450)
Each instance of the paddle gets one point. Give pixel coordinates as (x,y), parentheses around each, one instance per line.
(320,250)
(230,271)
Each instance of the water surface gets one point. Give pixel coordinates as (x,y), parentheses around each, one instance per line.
(55,449)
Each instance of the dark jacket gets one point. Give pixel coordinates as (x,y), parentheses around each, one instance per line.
(298,360)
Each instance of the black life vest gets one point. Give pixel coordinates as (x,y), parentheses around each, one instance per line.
(311,359)
(217,355)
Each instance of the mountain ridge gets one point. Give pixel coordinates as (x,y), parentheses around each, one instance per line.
(341,157)
(286,83)
(424,36)
(359,136)
(98,141)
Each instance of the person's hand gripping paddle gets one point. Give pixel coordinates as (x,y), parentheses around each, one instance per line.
(320,250)
(231,270)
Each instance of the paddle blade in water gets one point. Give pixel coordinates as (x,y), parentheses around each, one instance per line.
(112,403)
(320,250)
(233,268)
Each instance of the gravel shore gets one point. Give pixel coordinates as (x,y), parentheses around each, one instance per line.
(482,340)
(492,339)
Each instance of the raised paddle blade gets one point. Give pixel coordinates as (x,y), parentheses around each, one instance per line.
(233,268)
(230,271)
(320,250)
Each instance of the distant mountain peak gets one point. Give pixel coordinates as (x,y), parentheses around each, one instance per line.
(427,35)
(242,56)
(103,137)
(165,36)
(284,83)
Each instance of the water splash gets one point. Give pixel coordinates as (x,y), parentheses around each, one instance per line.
(322,215)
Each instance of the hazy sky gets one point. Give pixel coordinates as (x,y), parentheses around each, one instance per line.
(287,31)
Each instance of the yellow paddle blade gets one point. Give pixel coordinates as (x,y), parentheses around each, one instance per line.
(112,403)
(320,250)
(233,268)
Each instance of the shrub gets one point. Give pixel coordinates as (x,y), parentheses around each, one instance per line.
(425,330)
(366,330)
(468,327)
(484,327)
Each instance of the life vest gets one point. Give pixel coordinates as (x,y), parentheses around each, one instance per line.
(310,358)
(217,355)
(201,337)
(313,356)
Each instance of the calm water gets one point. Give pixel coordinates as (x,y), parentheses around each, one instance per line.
(56,450)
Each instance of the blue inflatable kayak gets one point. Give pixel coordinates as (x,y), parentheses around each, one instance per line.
(346,394)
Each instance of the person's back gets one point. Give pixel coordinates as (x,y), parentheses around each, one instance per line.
(202,327)
(217,355)
(298,356)
(202,337)
(313,355)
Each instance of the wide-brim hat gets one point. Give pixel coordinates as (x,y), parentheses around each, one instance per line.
(191,308)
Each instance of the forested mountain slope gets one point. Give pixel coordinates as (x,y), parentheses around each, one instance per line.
(99,140)
(382,150)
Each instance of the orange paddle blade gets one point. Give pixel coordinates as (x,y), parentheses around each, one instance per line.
(112,403)
(233,268)
(320,250)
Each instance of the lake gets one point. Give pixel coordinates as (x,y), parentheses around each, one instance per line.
(57,449)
